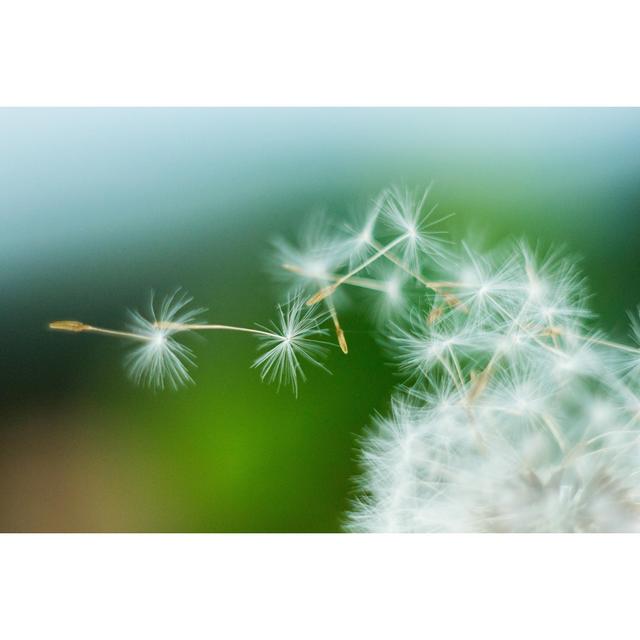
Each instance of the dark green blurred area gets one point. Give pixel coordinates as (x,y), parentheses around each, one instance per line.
(100,206)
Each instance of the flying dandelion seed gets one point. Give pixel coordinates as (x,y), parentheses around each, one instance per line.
(158,360)
(405,216)
(294,337)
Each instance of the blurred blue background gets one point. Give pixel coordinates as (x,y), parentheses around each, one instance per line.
(98,206)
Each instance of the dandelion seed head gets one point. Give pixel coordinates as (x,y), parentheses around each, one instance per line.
(415,230)
(159,360)
(600,412)
(514,413)
(363,234)
(536,288)
(317,269)
(159,340)
(387,293)
(490,284)
(519,417)
(293,338)
(392,287)
(423,346)
(311,261)
(358,239)
(513,343)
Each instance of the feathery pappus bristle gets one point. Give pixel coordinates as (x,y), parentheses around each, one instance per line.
(161,360)
(293,338)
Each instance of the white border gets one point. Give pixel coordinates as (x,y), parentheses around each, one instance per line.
(333,52)
(318,53)
(314,586)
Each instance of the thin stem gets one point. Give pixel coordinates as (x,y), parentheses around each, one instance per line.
(327,291)
(555,431)
(429,284)
(178,326)
(606,343)
(375,285)
(342,341)
(456,364)
(437,287)
(74,326)
(79,327)
(399,263)
(370,283)
(608,434)
(365,283)
(457,381)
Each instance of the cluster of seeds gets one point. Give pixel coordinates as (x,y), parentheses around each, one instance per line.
(514,413)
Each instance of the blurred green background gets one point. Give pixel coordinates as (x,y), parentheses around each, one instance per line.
(98,206)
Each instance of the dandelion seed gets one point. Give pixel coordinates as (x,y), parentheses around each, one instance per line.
(294,337)
(360,235)
(309,263)
(158,360)
(404,214)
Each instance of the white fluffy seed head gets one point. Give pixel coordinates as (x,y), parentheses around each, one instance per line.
(160,361)
(310,262)
(450,343)
(410,221)
(359,236)
(390,293)
(520,418)
(295,337)
(525,457)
